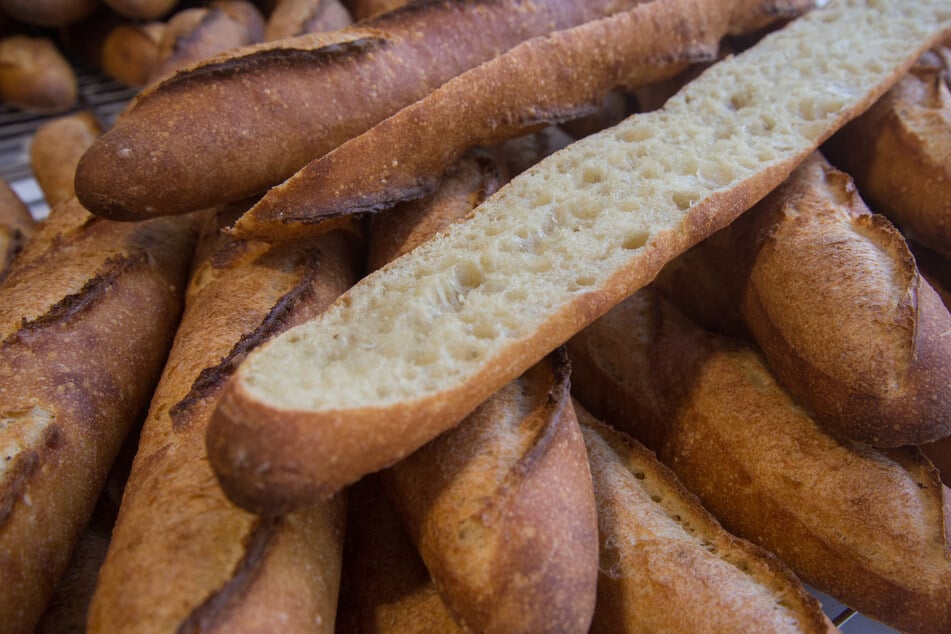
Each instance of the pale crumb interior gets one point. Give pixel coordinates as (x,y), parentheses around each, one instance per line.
(20,432)
(562,229)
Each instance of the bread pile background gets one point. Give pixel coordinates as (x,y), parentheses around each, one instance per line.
(792,371)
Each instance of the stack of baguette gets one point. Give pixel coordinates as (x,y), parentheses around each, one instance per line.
(502,504)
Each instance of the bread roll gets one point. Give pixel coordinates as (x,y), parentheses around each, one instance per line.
(832,296)
(34,76)
(55,151)
(297,17)
(197,34)
(868,527)
(413,348)
(85,326)
(385,588)
(254,117)
(181,556)
(502,510)
(668,566)
(899,154)
(16,226)
(49,13)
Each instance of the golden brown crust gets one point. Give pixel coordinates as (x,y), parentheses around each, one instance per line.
(666,562)
(385,588)
(55,151)
(271,133)
(16,226)
(252,571)
(34,75)
(833,298)
(80,353)
(899,154)
(195,35)
(846,518)
(130,52)
(545,80)
(297,17)
(502,511)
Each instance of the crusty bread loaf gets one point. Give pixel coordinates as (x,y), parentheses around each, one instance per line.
(195,35)
(502,510)
(34,75)
(16,226)
(832,296)
(871,528)
(385,587)
(252,118)
(546,79)
(129,51)
(297,17)
(181,555)
(48,13)
(55,151)
(899,154)
(435,333)
(936,269)
(141,9)
(668,566)
(85,325)
(467,184)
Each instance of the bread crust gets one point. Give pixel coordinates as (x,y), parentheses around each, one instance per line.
(899,154)
(291,18)
(49,13)
(502,511)
(16,226)
(85,329)
(665,561)
(267,94)
(252,571)
(866,526)
(55,151)
(832,296)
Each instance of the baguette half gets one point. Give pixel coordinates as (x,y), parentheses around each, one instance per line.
(871,528)
(435,333)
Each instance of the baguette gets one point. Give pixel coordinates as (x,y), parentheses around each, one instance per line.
(665,561)
(16,226)
(85,326)
(34,76)
(546,79)
(899,154)
(869,527)
(195,35)
(182,558)
(291,18)
(385,588)
(502,510)
(832,296)
(435,333)
(55,151)
(287,102)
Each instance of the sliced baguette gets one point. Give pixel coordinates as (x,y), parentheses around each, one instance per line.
(899,154)
(871,528)
(502,510)
(666,563)
(416,346)
(832,296)
(253,117)
(181,555)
